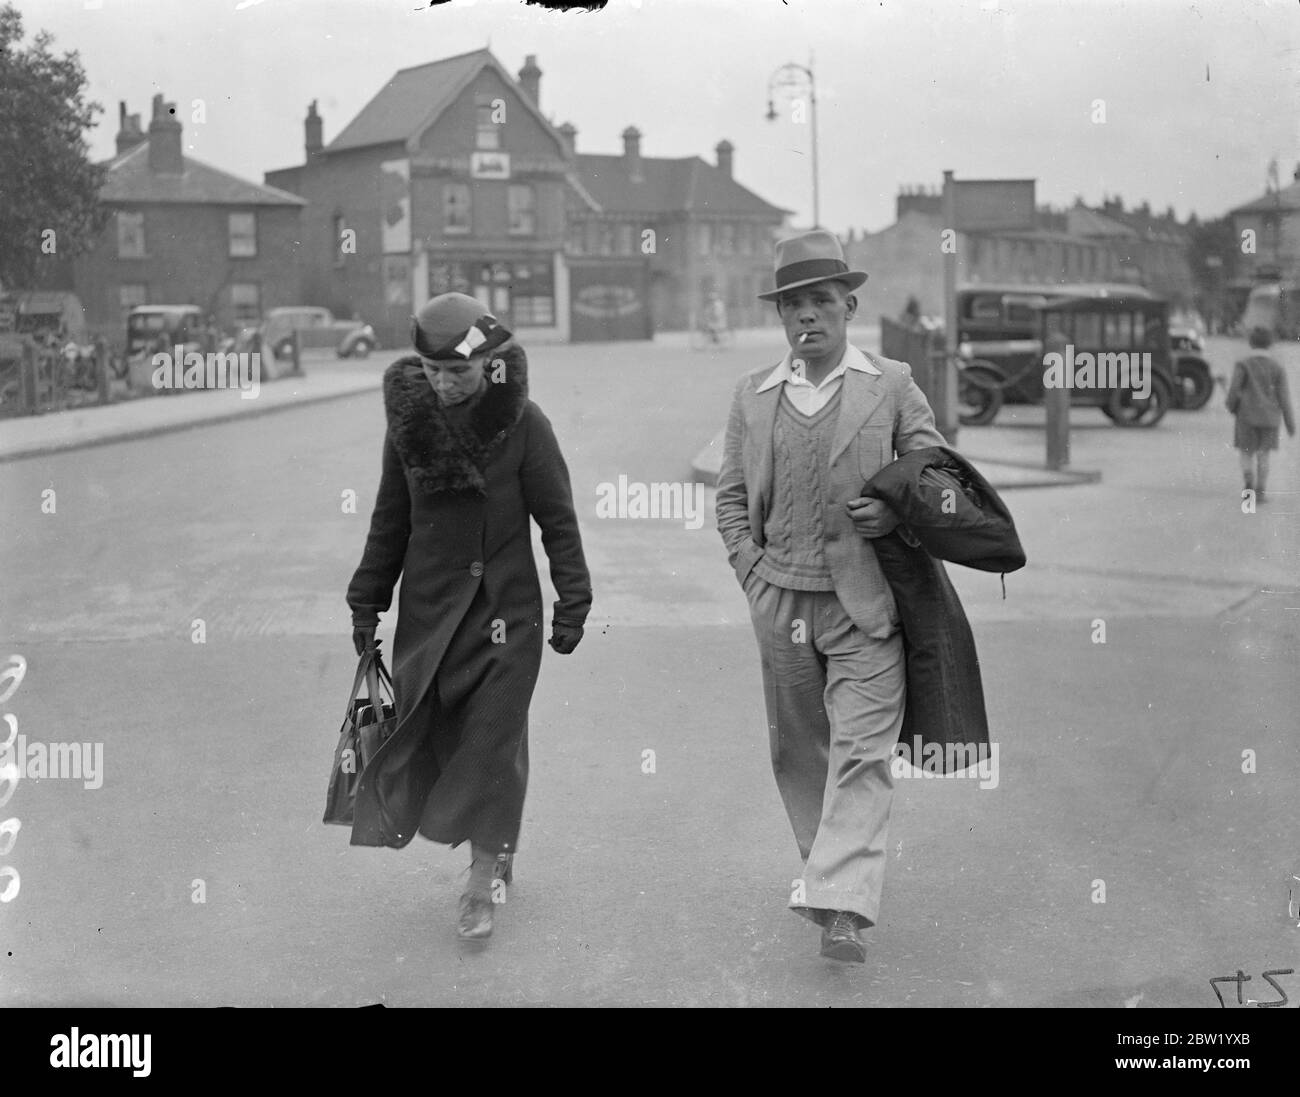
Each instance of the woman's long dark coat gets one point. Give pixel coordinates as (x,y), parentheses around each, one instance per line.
(452,519)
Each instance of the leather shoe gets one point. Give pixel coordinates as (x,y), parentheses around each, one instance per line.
(504,868)
(840,938)
(475,922)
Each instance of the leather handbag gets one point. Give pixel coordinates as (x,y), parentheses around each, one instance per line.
(367,725)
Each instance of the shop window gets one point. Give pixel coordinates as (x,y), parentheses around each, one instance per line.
(455,207)
(726,238)
(130,235)
(523,214)
(242,232)
(624,240)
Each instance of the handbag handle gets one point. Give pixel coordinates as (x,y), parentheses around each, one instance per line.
(375,672)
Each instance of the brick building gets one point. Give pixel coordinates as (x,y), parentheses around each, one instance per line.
(709,233)
(451,178)
(1071,246)
(1274,219)
(185,233)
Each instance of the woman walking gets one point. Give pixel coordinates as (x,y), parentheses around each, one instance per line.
(1259,400)
(468,458)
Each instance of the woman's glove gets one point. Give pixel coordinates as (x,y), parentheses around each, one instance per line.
(363,637)
(564,638)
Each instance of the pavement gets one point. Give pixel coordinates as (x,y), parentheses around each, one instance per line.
(1136,844)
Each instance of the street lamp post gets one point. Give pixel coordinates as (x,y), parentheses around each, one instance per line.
(788,76)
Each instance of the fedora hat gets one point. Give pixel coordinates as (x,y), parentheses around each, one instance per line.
(456,325)
(810,257)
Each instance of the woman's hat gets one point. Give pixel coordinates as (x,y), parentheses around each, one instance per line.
(455,325)
(811,257)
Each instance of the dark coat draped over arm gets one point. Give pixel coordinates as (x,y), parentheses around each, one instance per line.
(371,590)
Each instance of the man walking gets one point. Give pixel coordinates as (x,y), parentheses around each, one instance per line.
(802,439)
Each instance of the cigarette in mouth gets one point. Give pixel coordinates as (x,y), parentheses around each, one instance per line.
(803,338)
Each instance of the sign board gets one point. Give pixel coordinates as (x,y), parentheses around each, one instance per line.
(395,195)
(489,165)
(990,205)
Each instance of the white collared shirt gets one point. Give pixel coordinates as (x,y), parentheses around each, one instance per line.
(808,398)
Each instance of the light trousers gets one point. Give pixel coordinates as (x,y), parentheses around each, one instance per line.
(835,701)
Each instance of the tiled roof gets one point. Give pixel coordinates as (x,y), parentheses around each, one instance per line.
(1288,198)
(667,185)
(130,179)
(410,101)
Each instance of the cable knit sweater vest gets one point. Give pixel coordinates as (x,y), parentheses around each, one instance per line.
(801,445)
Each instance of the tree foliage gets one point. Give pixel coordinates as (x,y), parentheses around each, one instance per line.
(49,189)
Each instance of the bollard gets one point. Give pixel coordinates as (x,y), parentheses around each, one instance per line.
(1057,403)
(102,374)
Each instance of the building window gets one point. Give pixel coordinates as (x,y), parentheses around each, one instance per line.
(131,294)
(745,234)
(726,238)
(523,214)
(624,240)
(606,238)
(455,207)
(243,235)
(130,235)
(532,295)
(705,239)
(245,302)
(592,246)
(575,237)
(489,132)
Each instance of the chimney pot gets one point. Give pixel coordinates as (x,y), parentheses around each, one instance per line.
(165,156)
(725,150)
(312,131)
(632,153)
(530,79)
(569,135)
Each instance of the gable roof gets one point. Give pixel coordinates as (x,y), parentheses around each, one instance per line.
(130,179)
(1288,198)
(415,98)
(667,186)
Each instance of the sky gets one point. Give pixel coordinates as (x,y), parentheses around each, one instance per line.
(1197,97)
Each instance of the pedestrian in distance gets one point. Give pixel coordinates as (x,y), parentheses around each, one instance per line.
(802,440)
(1259,401)
(468,459)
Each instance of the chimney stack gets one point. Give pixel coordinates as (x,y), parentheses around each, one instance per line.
(632,154)
(569,134)
(530,79)
(312,130)
(724,149)
(165,140)
(128,129)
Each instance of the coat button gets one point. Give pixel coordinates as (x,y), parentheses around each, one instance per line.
(476,569)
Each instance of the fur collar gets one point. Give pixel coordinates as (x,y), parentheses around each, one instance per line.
(445,456)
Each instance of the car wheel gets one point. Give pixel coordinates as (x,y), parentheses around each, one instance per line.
(284,349)
(1126,410)
(1195,385)
(362,348)
(979,395)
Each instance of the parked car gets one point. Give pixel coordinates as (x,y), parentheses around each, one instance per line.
(151,329)
(1000,324)
(316,328)
(1097,320)
(1275,306)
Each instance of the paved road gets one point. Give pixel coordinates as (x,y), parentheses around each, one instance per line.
(1119,763)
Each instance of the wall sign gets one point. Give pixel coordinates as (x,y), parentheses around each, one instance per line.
(489,165)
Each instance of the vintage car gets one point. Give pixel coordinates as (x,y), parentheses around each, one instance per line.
(317,328)
(1275,306)
(1119,335)
(999,338)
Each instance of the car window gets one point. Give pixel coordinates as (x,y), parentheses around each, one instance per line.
(1087,329)
(1118,327)
(985,307)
